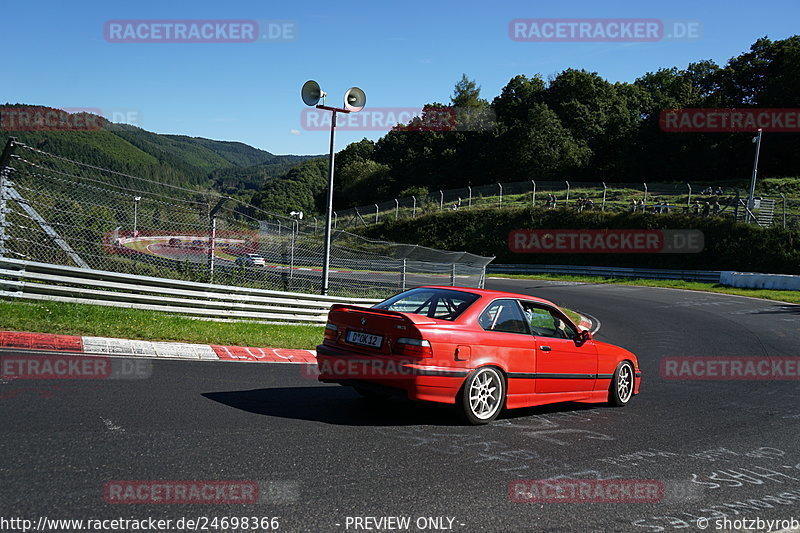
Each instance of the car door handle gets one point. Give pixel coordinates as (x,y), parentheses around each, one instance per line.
(544,348)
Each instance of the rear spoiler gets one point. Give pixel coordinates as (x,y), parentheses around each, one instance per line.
(409,317)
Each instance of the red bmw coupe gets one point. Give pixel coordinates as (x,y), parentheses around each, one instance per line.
(481,350)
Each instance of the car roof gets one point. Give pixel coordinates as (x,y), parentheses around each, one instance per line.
(487,293)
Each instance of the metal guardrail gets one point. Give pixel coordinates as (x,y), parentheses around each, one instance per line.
(708,276)
(42,281)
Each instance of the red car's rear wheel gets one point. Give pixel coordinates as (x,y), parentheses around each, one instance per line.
(483,395)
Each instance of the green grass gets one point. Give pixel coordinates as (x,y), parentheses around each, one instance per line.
(766,294)
(95,320)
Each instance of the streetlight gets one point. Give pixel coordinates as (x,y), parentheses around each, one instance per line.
(354,101)
(751,199)
(136,200)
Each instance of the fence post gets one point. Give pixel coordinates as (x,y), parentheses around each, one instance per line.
(533,194)
(566,202)
(645,195)
(604,197)
(5,173)
(279,226)
(396,209)
(441,200)
(469,202)
(376,213)
(689,199)
(315,225)
(403,276)
(501,195)
(414,208)
(335,220)
(453,275)
(783,197)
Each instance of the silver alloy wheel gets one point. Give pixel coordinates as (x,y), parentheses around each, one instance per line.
(625,383)
(485,393)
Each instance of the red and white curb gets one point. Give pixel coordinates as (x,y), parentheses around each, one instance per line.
(153,350)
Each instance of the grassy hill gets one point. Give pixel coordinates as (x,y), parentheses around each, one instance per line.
(192,162)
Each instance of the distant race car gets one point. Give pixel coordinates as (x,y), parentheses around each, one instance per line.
(251,260)
(481,350)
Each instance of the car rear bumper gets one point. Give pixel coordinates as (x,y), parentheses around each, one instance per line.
(418,380)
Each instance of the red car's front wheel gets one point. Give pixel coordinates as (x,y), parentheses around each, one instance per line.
(622,385)
(482,395)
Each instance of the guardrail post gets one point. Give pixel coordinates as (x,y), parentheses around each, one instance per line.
(603,208)
(533,194)
(566,202)
(403,276)
(501,195)
(414,208)
(5,173)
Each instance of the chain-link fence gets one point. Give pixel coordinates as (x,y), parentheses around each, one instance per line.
(61,211)
(616,197)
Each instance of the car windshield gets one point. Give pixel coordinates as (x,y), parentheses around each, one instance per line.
(443,304)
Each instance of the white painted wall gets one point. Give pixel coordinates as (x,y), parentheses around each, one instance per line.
(753,280)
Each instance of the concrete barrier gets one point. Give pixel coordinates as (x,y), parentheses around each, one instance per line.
(754,280)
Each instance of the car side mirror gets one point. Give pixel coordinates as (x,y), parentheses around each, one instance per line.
(583,336)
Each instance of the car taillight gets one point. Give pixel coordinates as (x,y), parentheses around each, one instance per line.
(413,347)
(331,332)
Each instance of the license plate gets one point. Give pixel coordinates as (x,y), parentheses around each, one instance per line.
(364,339)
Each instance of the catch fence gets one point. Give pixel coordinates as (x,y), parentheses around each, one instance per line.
(61,211)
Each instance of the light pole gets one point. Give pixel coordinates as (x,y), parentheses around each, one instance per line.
(136,200)
(751,198)
(354,101)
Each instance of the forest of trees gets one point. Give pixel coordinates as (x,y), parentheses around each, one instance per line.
(575,126)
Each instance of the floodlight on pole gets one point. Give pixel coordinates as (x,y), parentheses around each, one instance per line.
(751,197)
(136,200)
(354,101)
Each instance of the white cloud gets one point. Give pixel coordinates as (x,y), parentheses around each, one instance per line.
(294,132)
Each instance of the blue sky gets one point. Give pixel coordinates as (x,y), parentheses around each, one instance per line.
(403,54)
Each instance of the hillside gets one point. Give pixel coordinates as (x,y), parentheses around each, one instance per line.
(192,162)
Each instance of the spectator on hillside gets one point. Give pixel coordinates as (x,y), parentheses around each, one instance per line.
(718,191)
(706,209)
(715,208)
(589,204)
(633,206)
(696,207)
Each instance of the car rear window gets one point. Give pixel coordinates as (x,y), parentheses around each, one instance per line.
(443,304)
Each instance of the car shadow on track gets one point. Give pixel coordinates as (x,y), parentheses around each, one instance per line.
(343,406)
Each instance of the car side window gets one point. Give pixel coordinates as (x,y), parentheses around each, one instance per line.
(546,323)
(504,316)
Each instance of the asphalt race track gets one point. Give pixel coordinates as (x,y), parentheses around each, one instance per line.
(322,454)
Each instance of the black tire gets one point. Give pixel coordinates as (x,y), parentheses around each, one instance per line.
(622,385)
(482,396)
